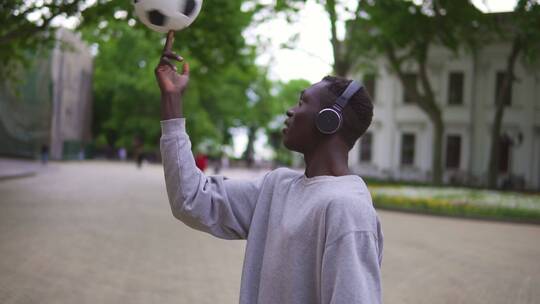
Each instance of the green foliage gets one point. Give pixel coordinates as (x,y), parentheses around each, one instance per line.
(226,88)
(525,26)
(126,96)
(410,26)
(289,92)
(287,95)
(27,25)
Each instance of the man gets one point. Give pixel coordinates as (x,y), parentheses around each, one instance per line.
(311,238)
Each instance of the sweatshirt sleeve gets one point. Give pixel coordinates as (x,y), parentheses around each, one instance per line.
(213,204)
(351,270)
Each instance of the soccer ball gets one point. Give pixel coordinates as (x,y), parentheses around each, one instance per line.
(165,15)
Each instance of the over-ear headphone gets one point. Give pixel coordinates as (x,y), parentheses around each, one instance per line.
(329,120)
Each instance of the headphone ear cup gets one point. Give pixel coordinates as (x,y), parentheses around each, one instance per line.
(328,121)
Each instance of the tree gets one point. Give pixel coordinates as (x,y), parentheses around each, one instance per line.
(125,94)
(226,90)
(29,25)
(403,32)
(341,13)
(523,29)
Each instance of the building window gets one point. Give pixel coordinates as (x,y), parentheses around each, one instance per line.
(369,83)
(453,151)
(407,149)
(410,81)
(504,154)
(507,99)
(455,88)
(366,147)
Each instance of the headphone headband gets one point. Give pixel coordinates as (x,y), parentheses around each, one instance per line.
(351,89)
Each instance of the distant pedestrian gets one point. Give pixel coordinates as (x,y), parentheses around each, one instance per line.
(224,161)
(81,155)
(218,163)
(138,151)
(201,161)
(44,154)
(122,154)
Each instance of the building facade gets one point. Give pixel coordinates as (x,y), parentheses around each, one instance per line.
(71,119)
(398,144)
(50,105)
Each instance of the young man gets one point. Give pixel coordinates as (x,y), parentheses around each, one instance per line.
(311,238)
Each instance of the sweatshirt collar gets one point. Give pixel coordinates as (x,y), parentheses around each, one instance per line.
(326,178)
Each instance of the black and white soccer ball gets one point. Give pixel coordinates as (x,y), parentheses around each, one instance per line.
(165,15)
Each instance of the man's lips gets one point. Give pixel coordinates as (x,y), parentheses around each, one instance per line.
(286,128)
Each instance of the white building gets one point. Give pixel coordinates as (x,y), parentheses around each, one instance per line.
(398,144)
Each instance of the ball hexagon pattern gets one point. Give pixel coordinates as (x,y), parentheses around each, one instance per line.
(165,15)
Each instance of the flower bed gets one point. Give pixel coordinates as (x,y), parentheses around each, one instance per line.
(459,202)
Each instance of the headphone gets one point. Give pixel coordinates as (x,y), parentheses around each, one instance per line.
(329,120)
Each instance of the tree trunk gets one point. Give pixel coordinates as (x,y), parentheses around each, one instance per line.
(249,153)
(427,103)
(503,91)
(341,65)
(436,162)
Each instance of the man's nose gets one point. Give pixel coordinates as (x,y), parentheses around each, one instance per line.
(289,113)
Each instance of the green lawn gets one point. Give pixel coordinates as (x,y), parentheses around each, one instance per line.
(462,202)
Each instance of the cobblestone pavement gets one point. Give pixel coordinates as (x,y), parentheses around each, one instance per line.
(99,232)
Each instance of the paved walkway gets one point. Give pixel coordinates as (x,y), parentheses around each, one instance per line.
(15,168)
(98,232)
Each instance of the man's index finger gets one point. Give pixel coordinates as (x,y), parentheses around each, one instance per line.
(169,42)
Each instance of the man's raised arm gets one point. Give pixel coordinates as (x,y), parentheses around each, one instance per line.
(215,205)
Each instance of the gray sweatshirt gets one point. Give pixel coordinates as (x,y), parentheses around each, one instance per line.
(309,240)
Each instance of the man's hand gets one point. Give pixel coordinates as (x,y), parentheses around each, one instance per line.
(171,84)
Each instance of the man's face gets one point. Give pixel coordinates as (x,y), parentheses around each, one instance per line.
(300,133)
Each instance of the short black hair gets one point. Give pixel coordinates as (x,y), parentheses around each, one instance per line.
(358,113)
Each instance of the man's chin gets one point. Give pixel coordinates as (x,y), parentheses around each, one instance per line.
(287,143)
